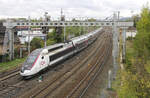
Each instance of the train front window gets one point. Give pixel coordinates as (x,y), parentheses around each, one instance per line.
(31,59)
(29,62)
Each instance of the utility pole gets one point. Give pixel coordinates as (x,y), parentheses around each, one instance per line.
(61,13)
(115,44)
(63,19)
(29,36)
(64,34)
(9,29)
(109,79)
(118,15)
(45,43)
(11,44)
(21,52)
(132,19)
(47,18)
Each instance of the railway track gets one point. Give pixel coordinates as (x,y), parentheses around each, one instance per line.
(9,88)
(59,80)
(47,95)
(6,86)
(21,86)
(89,77)
(53,87)
(3,83)
(7,76)
(10,75)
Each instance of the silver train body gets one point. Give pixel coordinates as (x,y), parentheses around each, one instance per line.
(42,58)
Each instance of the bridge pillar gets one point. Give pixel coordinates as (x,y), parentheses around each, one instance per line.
(11,43)
(115,46)
(10,31)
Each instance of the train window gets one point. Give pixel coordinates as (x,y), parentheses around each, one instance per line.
(56,24)
(61,23)
(107,23)
(37,23)
(62,53)
(41,23)
(42,57)
(91,23)
(18,23)
(31,59)
(76,23)
(81,45)
(86,23)
(50,50)
(46,23)
(66,23)
(22,23)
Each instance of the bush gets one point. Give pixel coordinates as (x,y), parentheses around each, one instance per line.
(50,42)
(36,43)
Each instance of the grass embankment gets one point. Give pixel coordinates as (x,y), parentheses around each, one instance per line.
(11,64)
(123,85)
(129,83)
(127,89)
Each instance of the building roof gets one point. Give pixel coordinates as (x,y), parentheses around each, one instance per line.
(132,28)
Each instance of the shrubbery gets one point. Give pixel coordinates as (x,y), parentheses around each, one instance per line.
(135,81)
(37,43)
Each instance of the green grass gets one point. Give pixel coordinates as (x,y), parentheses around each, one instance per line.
(119,85)
(11,64)
(130,56)
(147,66)
(129,49)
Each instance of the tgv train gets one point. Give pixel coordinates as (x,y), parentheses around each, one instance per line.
(42,58)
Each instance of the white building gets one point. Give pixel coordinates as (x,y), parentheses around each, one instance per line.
(34,32)
(24,35)
(131,32)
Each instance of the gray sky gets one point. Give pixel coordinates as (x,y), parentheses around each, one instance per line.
(72,8)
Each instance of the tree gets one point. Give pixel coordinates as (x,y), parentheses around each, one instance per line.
(136,18)
(37,43)
(50,38)
(142,39)
(135,82)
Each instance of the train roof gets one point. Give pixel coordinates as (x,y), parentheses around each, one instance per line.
(78,38)
(36,51)
(56,50)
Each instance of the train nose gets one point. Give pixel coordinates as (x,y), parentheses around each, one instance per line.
(22,70)
(26,73)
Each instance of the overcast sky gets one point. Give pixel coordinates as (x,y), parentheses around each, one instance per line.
(71,8)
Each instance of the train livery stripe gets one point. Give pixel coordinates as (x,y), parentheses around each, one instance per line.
(35,60)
